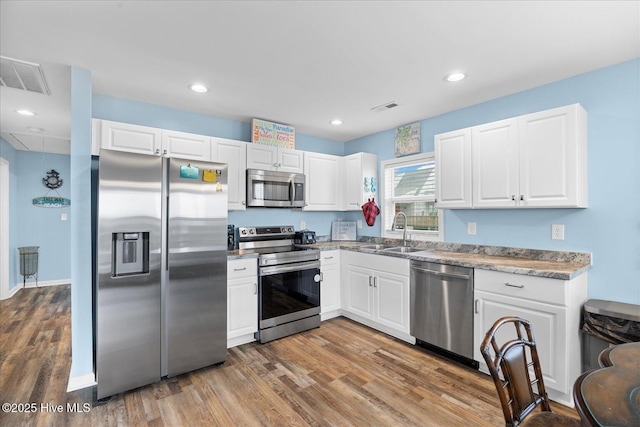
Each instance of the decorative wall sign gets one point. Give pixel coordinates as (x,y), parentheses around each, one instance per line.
(269,133)
(52,181)
(407,140)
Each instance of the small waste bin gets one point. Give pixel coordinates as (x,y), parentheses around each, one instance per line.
(28,263)
(607,323)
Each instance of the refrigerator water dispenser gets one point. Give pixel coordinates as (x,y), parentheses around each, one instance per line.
(130,254)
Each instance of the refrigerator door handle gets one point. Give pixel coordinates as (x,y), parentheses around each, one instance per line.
(166,252)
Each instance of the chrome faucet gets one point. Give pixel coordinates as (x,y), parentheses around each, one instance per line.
(404,230)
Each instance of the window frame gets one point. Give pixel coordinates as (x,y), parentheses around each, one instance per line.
(414,234)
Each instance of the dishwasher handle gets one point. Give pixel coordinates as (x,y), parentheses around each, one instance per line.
(441,274)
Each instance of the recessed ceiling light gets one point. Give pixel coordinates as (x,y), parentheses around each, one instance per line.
(455,77)
(197,87)
(336,122)
(26,112)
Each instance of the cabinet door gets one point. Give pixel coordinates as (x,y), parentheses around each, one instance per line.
(453,174)
(234,154)
(262,157)
(549,327)
(323,182)
(495,164)
(392,300)
(290,160)
(358,294)
(130,138)
(242,309)
(353,182)
(186,145)
(553,158)
(330,290)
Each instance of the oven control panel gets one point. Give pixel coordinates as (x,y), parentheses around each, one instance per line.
(278,231)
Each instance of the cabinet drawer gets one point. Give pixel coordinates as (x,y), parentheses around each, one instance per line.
(533,288)
(242,268)
(330,257)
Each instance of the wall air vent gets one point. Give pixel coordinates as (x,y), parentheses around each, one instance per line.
(384,107)
(22,75)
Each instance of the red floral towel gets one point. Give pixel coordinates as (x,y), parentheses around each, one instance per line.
(371,211)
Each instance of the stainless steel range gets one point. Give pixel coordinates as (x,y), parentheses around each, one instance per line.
(288,283)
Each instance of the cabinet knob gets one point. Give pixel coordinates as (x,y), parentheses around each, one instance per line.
(513,197)
(164,152)
(255,289)
(521,197)
(157,151)
(275,165)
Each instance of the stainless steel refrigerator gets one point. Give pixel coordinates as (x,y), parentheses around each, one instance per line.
(161,299)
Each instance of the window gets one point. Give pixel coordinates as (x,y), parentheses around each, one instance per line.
(409,186)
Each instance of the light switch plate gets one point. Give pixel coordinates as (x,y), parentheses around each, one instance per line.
(359,224)
(303,225)
(63,216)
(557,231)
(471,228)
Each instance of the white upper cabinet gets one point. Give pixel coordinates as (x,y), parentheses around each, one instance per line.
(495,164)
(186,145)
(323,183)
(453,169)
(156,142)
(359,170)
(553,158)
(130,138)
(537,160)
(234,154)
(268,157)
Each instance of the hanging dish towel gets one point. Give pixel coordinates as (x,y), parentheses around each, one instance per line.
(371,211)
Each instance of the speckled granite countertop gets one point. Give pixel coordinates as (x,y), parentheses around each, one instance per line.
(533,262)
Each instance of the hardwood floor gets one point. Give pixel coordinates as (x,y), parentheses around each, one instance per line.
(341,374)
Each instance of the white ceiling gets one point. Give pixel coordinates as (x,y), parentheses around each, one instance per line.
(304,63)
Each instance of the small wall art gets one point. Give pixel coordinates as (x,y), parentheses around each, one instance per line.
(407,139)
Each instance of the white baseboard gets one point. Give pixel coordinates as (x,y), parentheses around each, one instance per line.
(244,339)
(83,381)
(13,291)
(48,283)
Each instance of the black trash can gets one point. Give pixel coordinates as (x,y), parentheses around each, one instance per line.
(607,323)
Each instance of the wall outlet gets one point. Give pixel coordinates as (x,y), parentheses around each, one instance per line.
(303,225)
(63,216)
(557,231)
(471,228)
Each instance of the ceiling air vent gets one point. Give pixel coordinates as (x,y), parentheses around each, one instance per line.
(384,107)
(22,75)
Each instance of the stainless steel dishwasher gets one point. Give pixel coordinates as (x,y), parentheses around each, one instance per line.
(442,308)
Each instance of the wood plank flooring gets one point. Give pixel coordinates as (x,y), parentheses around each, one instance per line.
(341,374)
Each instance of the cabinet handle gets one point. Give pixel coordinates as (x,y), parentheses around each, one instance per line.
(255,289)
(370,280)
(514,286)
(513,197)
(522,197)
(475,304)
(321,277)
(275,165)
(328,257)
(164,152)
(244,202)
(240,269)
(157,151)
(375,282)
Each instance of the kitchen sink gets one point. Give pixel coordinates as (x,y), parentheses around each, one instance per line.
(403,249)
(376,247)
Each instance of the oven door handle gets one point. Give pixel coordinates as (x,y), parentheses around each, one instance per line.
(277,269)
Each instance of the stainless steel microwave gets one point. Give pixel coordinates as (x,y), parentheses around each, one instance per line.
(275,189)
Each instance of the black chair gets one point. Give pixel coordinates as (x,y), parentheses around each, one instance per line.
(510,365)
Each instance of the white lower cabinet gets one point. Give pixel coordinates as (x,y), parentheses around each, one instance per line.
(377,296)
(330,287)
(242,301)
(552,306)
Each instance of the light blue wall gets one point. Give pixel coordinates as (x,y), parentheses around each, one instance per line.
(610,227)
(81,284)
(33,226)
(10,154)
(43,227)
(128,111)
